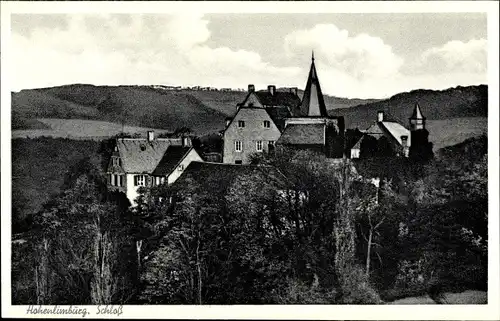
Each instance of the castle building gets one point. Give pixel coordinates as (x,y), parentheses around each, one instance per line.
(310,127)
(271,119)
(387,137)
(145,162)
(257,124)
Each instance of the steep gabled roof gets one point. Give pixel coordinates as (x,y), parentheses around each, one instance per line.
(303,134)
(396,130)
(173,155)
(313,103)
(278,115)
(279,98)
(141,155)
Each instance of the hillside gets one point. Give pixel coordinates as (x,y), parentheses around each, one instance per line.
(145,106)
(136,106)
(471,101)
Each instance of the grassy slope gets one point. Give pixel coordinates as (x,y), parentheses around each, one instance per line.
(449,132)
(80,129)
(137,106)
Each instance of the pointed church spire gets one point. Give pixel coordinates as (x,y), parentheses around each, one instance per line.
(417,120)
(313,103)
(417,114)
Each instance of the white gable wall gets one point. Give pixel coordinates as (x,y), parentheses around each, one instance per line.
(192,156)
(131,189)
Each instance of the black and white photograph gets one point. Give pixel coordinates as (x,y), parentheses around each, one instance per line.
(257,158)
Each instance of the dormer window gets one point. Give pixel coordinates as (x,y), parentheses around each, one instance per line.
(241,123)
(267,124)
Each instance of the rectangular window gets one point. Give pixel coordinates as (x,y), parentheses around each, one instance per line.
(139,180)
(238,162)
(241,123)
(113,180)
(267,124)
(258,145)
(238,146)
(120,180)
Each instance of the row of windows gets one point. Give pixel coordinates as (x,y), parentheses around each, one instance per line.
(259,146)
(116,180)
(140,180)
(265,123)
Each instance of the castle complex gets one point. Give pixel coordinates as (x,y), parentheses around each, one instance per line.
(269,119)
(266,121)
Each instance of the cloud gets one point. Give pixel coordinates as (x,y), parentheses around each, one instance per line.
(362,56)
(456,56)
(348,66)
(178,50)
(365,66)
(134,49)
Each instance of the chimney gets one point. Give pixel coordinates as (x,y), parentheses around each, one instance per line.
(271,89)
(151,135)
(380,116)
(294,90)
(404,142)
(251,88)
(186,141)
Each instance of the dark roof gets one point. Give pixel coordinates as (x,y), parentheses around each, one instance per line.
(220,175)
(278,99)
(313,103)
(142,156)
(417,113)
(278,115)
(172,157)
(303,134)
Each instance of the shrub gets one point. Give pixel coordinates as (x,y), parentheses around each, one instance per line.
(299,292)
(357,289)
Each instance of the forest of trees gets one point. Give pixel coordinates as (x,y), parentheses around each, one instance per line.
(320,234)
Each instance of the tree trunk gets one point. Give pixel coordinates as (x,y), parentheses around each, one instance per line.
(199,269)
(138,245)
(368,253)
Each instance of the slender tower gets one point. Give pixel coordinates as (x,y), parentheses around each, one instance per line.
(417,120)
(313,103)
(420,147)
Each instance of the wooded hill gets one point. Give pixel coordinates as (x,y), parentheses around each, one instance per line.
(470,101)
(204,111)
(145,106)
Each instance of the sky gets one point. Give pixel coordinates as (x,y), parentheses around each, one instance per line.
(357,55)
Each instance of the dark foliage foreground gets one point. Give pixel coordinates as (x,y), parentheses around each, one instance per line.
(308,231)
